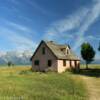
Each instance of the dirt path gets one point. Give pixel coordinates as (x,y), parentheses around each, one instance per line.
(93,87)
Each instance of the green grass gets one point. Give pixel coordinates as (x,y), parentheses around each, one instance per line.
(20,83)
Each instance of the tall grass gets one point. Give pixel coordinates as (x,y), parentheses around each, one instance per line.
(20,83)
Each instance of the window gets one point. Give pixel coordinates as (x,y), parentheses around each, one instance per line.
(70,63)
(49,63)
(75,62)
(43,50)
(36,62)
(62,49)
(67,51)
(64,62)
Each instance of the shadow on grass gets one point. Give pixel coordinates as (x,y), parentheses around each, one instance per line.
(92,72)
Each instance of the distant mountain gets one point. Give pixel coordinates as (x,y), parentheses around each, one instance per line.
(16,57)
(2,61)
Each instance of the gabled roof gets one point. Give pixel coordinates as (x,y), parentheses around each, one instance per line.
(56,50)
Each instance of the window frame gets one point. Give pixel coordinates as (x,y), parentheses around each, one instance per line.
(36,62)
(43,50)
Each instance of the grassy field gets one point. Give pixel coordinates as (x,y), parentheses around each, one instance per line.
(20,83)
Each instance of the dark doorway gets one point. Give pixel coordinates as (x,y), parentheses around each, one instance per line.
(49,63)
(64,62)
(75,62)
(70,63)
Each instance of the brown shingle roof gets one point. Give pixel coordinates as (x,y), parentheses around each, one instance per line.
(56,49)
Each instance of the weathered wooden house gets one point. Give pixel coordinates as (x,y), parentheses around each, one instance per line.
(52,56)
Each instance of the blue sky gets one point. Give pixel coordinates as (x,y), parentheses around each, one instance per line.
(24,23)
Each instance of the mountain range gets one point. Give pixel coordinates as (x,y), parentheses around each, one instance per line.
(16,57)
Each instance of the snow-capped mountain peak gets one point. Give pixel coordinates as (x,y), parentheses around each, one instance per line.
(16,57)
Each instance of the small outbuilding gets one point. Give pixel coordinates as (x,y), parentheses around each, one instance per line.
(55,57)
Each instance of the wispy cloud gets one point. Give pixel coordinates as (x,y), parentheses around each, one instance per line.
(20,29)
(72,21)
(19,26)
(18,39)
(80,22)
(22,43)
(39,8)
(91,17)
(91,37)
(67,24)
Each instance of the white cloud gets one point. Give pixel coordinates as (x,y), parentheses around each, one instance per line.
(91,17)
(19,26)
(91,37)
(18,36)
(22,43)
(81,21)
(2,53)
(69,23)
(61,29)
(17,40)
(39,8)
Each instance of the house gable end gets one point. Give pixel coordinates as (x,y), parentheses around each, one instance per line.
(42,42)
